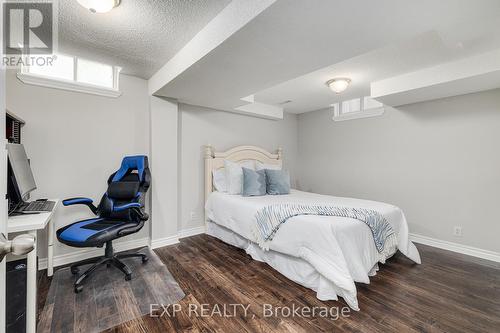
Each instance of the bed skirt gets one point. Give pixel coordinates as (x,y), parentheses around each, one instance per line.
(295,269)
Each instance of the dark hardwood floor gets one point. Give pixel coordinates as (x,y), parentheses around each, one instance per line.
(449,292)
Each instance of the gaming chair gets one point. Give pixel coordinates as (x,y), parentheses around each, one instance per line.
(120,213)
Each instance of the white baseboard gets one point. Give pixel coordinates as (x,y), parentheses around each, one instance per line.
(161,242)
(75,256)
(191,232)
(455,247)
(156,243)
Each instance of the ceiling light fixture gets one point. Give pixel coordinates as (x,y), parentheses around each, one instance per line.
(338,85)
(99,6)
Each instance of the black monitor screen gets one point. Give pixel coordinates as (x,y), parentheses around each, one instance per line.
(23,177)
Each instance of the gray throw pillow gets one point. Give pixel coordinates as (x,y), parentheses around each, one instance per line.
(278,182)
(254,182)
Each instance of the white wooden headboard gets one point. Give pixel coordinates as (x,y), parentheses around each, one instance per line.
(215,160)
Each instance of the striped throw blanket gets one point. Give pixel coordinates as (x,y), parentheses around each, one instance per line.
(270,218)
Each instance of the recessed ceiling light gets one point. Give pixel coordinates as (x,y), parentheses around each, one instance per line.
(338,85)
(99,6)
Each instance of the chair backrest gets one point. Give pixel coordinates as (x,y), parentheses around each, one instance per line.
(128,184)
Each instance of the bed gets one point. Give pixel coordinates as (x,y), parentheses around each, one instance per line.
(327,254)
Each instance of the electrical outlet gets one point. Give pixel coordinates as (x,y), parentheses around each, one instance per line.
(194,216)
(457,231)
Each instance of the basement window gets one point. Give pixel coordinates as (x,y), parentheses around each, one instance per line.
(356,108)
(74,74)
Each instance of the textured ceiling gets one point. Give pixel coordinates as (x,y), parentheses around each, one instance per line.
(139,35)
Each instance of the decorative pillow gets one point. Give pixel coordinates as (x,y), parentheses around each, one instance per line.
(277,182)
(234,175)
(262,166)
(254,182)
(219,180)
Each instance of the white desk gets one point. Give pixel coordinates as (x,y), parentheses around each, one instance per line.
(31,223)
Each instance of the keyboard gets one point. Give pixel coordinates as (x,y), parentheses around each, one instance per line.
(38,206)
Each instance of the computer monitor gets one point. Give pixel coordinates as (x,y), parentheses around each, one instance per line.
(22,180)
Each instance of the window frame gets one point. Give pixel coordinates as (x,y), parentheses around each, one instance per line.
(338,115)
(25,76)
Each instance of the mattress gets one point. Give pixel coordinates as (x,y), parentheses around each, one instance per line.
(337,251)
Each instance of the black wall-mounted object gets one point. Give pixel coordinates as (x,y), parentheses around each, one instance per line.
(16,296)
(13,125)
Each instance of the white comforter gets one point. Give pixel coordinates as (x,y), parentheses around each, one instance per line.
(342,250)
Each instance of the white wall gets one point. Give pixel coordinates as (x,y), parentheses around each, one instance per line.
(224,130)
(439,161)
(164,171)
(75,141)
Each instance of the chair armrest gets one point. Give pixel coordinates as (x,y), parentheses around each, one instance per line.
(136,207)
(81,201)
(126,206)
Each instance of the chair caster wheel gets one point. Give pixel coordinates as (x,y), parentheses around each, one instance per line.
(128,277)
(145,259)
(74,270)
(78,289)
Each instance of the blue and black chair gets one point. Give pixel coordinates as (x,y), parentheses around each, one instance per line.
(120,213)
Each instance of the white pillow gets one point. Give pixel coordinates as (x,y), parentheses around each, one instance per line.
(234,175)
(262,166)
(219,180)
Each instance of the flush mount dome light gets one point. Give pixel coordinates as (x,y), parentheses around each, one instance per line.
(338,85)
(99,6)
